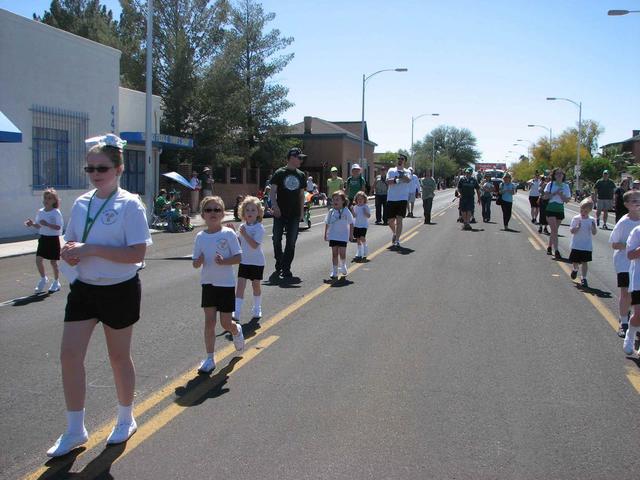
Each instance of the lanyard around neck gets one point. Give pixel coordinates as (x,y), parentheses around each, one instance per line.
(88,223)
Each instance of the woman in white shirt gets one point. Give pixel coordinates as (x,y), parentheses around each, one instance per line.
(557,192)
(106,240)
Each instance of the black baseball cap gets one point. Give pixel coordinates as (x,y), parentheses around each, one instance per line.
(402,156)
(295,152)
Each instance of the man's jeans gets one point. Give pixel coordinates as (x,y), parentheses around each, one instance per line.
(427,203)
(486,207)
(283,260)
(381,208)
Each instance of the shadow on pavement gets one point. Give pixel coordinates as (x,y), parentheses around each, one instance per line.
(274,280)
(341,282)
(203,387)
(510,230)
(594,291)
(59,468)
(22,301)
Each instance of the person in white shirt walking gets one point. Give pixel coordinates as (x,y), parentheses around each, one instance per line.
(399,181)
(534,196)
(338,231)
(582,228)
(414,192)
(362,213)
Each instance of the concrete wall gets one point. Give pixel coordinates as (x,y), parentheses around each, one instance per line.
(41,65)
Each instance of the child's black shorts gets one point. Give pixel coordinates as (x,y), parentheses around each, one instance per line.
(117,306)
(337,243)
(635,298)
(250,272)
(223,299)
(623,280)
(49,247)
(359,232)
(580,256)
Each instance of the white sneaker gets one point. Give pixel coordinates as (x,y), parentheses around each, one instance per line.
(55,286)
(207,366)
(256,312)
(67,442)
(343,269)
(333,274)
(238,340)
(41,284)
(122,432)
(629,343)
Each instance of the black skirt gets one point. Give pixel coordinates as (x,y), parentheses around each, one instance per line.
(579,256)
(49,247)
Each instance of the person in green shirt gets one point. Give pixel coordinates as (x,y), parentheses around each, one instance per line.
(429,186)
(160,202)
(333,185)
(355,183)
(604,189)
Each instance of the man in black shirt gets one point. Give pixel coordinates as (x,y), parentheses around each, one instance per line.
(287,200)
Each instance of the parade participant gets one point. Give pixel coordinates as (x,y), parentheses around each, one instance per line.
(381,188)
(542,216)
(338,230)
(621,263)
(195,193)
(488,188)
(361,213)
(287,200)
(633,254)
(414,192)
(334,184)
(429,186)
(534,196)
(106,240)
(310,185)
(582,228)
(399,182)
(618,200)
(355,183)
(507,191)
(251,235)
(49,224)
(216,250)
(603,190)
(467,186)
(557,193)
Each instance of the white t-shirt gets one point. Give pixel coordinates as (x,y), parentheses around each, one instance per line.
(195,183)
(121,223)
(581,240)
(620,234)
(398,191)
(339,221)
(54,217)
(534,189)
(415,184)
(310,185)
(361,221)
(252,256)
(225,242)
(633,242)
(553,188)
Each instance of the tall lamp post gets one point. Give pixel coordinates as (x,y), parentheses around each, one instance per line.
(579,105)
(529,147)
(433,148)
(617,13)
(150,173)
(364,82)
(548,129)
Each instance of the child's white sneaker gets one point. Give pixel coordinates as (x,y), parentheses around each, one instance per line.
(207,366)
(67,442)
(343,269)
(41,284)
(629,343)
(256,312)
(122,432)
(238,339)
(55,286)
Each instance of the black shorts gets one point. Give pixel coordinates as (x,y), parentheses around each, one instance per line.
(49,247)
(635,298)
(250,272)
(579,256)
(359,232)
(396,208)
(467,203)
(117,306)
(222,299)
(533,201)
(623,280)
(558,215)
(337,243)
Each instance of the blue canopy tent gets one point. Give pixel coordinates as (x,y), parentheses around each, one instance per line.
(9,133)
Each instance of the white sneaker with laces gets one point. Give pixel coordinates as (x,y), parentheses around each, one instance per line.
(207,366)
(256,312)
(629,343)
(238,340)
(67,442)
(122,432)
(343,269)
(41,284)
(333,274)
(55,286)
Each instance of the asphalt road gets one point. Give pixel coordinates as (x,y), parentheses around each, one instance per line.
(465,355)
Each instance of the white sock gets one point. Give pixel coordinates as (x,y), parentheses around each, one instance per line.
(238,309)
(623,319)
(334,269)
(75,421)
(359,250)
(257,301)
(125,414)
(631,331)
(365,249)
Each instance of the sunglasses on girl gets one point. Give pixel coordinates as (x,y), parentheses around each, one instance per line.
(99,169)
(215,210)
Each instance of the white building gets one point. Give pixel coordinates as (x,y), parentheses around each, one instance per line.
(60,89)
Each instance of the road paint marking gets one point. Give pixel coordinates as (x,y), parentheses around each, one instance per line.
(634,377)
(535,245)
(100,435)
(407,238)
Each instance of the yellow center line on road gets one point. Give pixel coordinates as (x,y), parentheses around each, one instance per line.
(634,377)
(99,436)
(533,242)
(409,237)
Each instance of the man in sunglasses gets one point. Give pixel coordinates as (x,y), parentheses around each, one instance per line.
(287,200)
(399,181)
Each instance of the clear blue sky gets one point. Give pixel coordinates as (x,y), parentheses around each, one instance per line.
(487,65)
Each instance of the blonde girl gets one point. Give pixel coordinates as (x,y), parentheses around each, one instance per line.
(216,250)
(49,224)
(582,228)
(361,213)
(251,236)
(338,230)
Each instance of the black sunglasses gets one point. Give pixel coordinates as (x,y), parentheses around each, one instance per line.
(209,210)
(100,169)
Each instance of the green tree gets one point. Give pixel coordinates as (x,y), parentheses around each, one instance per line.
(593,167)
(458,144)
(387,158)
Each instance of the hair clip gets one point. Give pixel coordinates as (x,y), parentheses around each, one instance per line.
(109,140)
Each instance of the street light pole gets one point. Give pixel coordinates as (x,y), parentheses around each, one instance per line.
(617,13)
(413,120)
(579,105)
(150,173)
(364,82)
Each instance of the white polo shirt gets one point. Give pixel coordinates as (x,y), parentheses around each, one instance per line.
(252,256)
(398,191)
(225,242)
